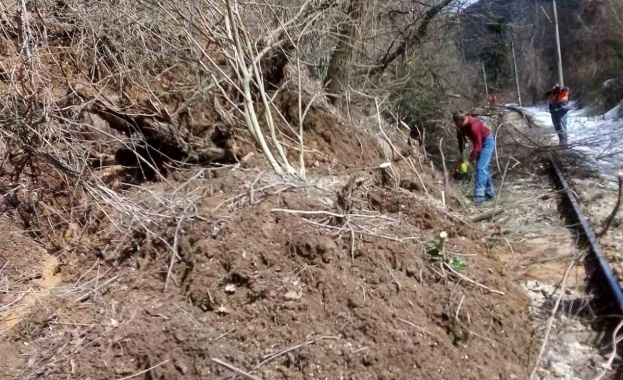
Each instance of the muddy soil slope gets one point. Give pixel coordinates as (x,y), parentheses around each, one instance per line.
(327,278)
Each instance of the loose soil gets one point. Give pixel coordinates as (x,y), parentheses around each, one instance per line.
(273,283)
(281,294)
(269,281)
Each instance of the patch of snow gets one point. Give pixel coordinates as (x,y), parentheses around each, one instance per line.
(614,114)
(597,137)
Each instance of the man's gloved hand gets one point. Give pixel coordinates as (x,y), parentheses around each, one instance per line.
(463,167)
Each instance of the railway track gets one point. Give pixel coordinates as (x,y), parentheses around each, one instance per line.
(601,276)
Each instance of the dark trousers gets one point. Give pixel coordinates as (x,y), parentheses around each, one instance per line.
(560,120)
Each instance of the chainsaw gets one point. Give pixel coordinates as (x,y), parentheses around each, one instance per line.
(462,168)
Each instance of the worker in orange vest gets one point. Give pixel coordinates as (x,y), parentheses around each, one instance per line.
(493,100)
(558,103)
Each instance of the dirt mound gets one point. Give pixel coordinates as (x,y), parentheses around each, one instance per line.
(283,289)
(271,277)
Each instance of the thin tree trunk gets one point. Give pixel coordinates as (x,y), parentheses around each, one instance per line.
(338,73)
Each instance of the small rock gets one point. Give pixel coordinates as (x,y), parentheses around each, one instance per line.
(181,367)
(559,369)
(368,359)
(222,310)
(294,295)
(411,271)
(230,288)
(32,360)
(542,372)
(585,336)
(569,337)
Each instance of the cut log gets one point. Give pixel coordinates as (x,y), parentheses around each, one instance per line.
(486,215)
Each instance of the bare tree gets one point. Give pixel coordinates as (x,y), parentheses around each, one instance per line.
(338,74)
(412,38)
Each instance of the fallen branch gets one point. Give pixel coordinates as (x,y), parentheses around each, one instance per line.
(420,329)
(88,294)
(378,114)
(234,369)
(328,213)
(496,136)
(390,176)
(464,278)
(352,245)
(613,354)
(606,224)
(289,349)
(486,215)
(445,169)
(363,232)
(174,254)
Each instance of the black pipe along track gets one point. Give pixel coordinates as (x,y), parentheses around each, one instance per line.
(602,271)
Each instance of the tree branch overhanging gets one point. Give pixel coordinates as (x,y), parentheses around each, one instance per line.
(412,39)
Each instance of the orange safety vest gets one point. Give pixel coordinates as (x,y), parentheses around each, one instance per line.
(562,96)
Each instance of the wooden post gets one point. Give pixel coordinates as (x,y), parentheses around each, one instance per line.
(516,72)
(561,79)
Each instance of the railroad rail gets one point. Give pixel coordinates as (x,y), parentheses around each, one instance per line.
(602,271)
